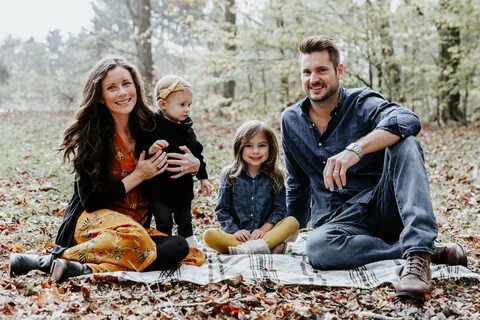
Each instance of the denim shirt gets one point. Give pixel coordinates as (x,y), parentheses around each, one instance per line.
(357,113)
(249,202)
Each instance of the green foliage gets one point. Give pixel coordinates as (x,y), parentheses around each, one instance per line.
(391,46)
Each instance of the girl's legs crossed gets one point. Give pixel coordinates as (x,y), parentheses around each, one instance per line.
(281,232)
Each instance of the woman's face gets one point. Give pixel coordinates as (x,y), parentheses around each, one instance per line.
(119,93)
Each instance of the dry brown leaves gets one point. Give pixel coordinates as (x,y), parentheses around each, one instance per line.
(32,200)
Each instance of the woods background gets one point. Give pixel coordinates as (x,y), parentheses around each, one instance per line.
(241,56)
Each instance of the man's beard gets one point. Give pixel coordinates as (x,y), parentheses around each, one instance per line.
(332,91)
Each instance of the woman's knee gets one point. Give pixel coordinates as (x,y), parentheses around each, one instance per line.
(171,247)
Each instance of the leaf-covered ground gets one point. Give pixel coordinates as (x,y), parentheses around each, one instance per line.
(34,189)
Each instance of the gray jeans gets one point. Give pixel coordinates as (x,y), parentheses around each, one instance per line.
(397,220)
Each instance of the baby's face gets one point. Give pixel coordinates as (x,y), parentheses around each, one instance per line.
(178,105)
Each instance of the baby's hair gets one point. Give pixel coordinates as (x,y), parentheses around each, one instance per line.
(244,134)
(170,80)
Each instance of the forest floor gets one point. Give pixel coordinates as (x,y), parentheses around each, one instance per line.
(35,188)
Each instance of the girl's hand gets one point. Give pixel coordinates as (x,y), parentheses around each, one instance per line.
(260,232)
(257,234)
(205,187)
(242,235)
(149,168)
(182,163)
(157,146)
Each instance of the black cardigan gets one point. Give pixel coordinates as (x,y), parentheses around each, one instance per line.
(89,198)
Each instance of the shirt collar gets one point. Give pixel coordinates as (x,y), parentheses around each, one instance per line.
(263,170)
(305,104)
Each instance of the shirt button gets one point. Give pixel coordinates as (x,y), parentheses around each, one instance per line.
(319,144)
(324,162)
(252,198)
(251,215)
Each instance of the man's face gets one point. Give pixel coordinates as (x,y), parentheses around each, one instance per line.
(320,80)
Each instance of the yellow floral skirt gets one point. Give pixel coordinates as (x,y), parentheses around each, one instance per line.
(108,241)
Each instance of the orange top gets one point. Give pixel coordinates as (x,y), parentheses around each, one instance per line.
(134,204)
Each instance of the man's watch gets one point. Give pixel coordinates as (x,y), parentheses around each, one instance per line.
(355,147)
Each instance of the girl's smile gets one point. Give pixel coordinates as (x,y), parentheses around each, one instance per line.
(255,153)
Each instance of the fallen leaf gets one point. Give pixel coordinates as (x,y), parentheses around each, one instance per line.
(18,247)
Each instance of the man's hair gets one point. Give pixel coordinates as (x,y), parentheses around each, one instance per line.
(320,43)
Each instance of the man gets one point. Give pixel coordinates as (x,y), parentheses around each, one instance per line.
(357,172)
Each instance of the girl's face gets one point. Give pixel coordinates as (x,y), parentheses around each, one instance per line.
(177,106)
(118,91)
(256,151)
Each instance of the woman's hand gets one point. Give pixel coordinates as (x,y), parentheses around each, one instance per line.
(149,168)
(242,235)
(145,169)
(182,163)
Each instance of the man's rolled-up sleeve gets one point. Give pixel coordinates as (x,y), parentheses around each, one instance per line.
(391,117)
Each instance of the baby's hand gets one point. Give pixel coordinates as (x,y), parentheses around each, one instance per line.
(205,187)
(242,235)
(157,146)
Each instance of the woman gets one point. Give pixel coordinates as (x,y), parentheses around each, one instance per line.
(102,228)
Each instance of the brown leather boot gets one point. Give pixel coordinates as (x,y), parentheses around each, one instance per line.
(452,254)
(22,263)
(63,269)
(415,277)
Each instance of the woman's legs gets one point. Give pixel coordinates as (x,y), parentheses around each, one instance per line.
(110,241)
(171,250)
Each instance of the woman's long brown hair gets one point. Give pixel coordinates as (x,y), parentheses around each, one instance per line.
(88,140)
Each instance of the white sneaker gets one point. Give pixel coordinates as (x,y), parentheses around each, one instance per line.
(251,246)
(192,241)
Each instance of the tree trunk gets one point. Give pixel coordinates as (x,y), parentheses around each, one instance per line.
(449,61)
(449,95)
(392,69)
(231,22)
(140,11)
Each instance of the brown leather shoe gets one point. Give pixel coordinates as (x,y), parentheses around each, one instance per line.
(452,254)
(415,277)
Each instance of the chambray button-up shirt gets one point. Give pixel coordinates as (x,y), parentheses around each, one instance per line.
(357,113)
(249,203)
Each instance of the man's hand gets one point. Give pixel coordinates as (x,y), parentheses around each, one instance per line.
(182,163)
(335,172)
(157,146)
(242,235)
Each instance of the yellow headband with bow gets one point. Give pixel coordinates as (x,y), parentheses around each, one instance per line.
(174,87)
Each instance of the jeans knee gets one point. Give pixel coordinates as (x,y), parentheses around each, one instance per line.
(406,147)
(321,250)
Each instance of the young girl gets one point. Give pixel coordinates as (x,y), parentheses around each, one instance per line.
(172,191)
(251,205)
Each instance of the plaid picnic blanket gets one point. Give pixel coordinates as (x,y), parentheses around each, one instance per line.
(290,268)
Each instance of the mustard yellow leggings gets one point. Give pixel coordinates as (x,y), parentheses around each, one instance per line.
(220,240)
